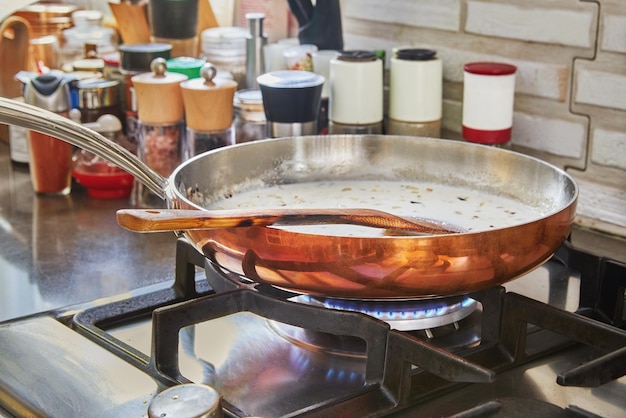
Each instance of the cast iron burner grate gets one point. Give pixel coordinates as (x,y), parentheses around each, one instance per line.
(401,370)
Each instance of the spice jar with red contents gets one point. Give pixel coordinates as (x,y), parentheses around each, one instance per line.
(160,125)
(208,105)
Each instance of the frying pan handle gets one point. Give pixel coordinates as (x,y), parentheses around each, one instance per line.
(37,119)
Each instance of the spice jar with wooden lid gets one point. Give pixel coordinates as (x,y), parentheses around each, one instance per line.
(135,59)
(160,120)
(208,105)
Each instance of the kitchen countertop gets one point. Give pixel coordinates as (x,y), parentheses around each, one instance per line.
(60,251)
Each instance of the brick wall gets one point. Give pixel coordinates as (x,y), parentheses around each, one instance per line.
(570,101)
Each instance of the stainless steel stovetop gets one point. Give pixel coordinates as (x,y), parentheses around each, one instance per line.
(529,349)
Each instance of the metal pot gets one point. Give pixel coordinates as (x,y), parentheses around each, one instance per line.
(348,266)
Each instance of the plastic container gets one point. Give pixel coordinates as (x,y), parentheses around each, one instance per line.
(225,47)
(87,29)
(249,116)
(102,179)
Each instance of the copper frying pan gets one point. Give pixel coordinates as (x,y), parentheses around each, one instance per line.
(374,267)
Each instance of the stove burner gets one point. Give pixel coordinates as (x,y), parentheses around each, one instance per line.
(404,315)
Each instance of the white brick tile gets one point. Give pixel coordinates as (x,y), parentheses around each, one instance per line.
(609,148)
(434,14)
(534,78)
(614,33)
(601,202)
(571,27)
(601,88)
(556,136)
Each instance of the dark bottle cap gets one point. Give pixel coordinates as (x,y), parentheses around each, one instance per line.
(357,56)
(416,54)
(173,19)
(138,57)
(291,96)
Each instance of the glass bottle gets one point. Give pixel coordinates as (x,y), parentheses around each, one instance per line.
(249,116)
(87,29)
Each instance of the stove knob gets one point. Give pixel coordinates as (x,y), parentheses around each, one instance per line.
(186,401)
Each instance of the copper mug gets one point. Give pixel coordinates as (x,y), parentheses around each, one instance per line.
(50,159)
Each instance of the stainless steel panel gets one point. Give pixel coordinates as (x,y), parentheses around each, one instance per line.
(46,369)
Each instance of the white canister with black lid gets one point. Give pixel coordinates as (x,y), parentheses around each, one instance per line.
(356,93)
(415,93)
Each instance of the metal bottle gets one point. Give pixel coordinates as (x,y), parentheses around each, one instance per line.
(256,40)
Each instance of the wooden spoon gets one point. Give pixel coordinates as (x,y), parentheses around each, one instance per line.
(159,220)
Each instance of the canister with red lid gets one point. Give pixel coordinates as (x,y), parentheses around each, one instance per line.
(488,95)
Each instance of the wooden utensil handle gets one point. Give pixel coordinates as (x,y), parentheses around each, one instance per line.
(159,220)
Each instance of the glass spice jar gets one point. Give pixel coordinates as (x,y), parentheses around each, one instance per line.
(249,116)
(160,145)
(208,103)
(160,125)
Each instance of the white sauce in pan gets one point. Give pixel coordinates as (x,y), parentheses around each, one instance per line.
(460,208)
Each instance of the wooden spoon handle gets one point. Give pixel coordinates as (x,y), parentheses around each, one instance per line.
(159,220)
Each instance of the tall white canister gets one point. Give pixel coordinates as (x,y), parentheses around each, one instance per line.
(356,93)
(415,93)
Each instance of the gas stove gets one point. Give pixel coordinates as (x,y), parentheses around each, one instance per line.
(551,343)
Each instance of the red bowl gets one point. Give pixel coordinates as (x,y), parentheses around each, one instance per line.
(109,184)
